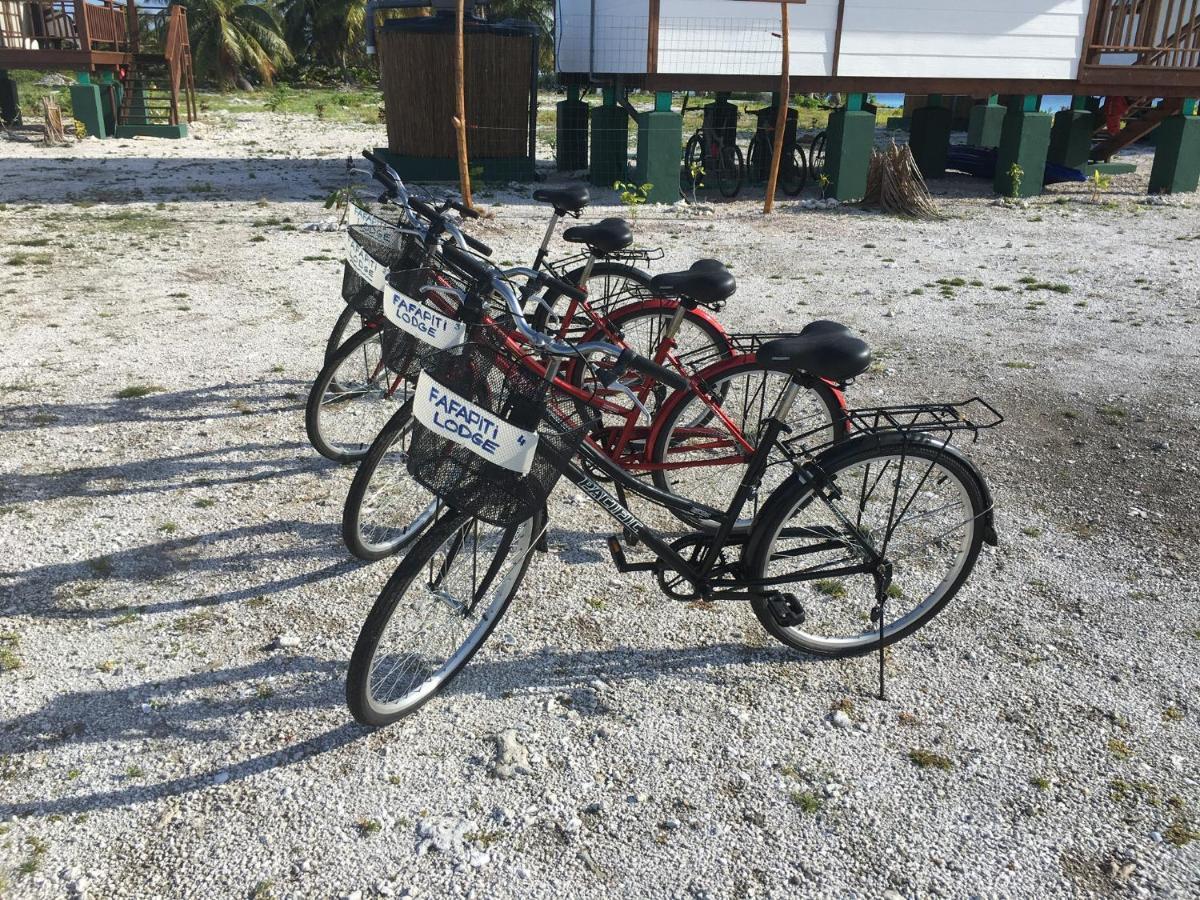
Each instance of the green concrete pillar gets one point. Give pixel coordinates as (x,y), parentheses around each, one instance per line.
(1071,136)
(610,142)
(10,106)
(1177,153)
(1024,142)
(986,123)
(850,138)
(660,135)
(88,107)
(929,137)
(571,131)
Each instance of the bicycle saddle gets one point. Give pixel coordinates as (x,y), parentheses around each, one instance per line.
(823,351)
(707,281)
(606,236)
(570,198)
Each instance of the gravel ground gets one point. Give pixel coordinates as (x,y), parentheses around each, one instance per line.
(163,524)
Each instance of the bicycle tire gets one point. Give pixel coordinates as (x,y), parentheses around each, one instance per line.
(793,175)
(365,529)
(822,399)
(620,282)
(331,380)
(337,336)
(816,155)
(730,171)
(364,706)
(800,491)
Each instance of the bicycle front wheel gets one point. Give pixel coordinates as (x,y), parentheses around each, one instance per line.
(386,509)
(353,397)
(341,328)
(444,600)
(916,503)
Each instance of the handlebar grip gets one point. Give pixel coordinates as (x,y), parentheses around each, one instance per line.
(423,209)
(463,210)
(367,154)
(472,266)
(666,376)
(477,245)
(565,288)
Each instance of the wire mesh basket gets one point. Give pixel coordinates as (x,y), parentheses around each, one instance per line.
(425,307)
(371,252)
(488,433)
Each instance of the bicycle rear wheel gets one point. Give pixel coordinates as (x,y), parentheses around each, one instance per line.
(910,498)
(793,172)
(352,399)
(731,171)
(444,600)
(710,461)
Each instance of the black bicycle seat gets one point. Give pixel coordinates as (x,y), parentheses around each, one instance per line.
(832,353)
(707,281)
(569,198)
(606,236)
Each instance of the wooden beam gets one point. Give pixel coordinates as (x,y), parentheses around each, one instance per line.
(781,115)
(837,36)
(460,119)
(652,38)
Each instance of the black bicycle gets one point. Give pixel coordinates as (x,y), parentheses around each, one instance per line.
(860,546)
(793,168)
(712,155)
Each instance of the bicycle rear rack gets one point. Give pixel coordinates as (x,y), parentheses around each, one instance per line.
(972,415)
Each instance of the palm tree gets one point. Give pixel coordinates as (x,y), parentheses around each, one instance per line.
(232,37)
(540,13)
(329,32)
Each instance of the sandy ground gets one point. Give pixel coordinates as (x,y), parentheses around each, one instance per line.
(153,548)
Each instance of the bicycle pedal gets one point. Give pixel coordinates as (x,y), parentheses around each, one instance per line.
(618,556)
(786,609)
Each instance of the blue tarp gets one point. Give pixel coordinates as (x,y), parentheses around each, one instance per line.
(982,164)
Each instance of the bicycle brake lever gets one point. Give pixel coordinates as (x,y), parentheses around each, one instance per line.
(623,388)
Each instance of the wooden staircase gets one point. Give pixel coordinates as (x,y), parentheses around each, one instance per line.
(1140,119)
(156,82)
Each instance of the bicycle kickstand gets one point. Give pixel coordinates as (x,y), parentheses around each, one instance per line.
(877,616)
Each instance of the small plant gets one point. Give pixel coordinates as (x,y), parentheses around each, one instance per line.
(1119,748)
(1015,176)
(1170,714)
(134,391)
(927,759)
(135,771)
(1040,782)
(829,588)
(367,827)
(1099,184)
(633,195)
(594,602)
(1180,832)
(319,109)
(262,890)
(807,801)
(341,200)
(37,850)
(204,503)
(168,528)
(8,656)
(823,183)
(107,666)
(80,130)
(1031,531)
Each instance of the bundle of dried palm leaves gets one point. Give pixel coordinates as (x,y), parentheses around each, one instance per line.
(52,130)
(895,185)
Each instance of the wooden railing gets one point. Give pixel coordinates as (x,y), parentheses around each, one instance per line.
(1161,34)
(66,25)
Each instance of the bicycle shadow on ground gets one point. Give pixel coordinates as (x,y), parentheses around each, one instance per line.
(222,401)
(245,463)
(211,705)
(552,671)
(102,587)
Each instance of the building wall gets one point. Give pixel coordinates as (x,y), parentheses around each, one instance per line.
(963,38)
(895,38)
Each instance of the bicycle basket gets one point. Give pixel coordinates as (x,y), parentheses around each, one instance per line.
(366,213)
(371,250)
(486,435)
(426,320)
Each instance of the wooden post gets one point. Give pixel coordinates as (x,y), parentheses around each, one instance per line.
(460,120)
(785,96)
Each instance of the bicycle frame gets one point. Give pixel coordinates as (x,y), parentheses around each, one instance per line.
(700,574)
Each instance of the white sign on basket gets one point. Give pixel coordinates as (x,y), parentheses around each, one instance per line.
(421,322)
(456,419)
(360,261)
(359,216)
